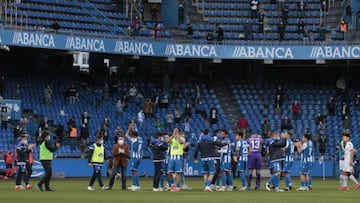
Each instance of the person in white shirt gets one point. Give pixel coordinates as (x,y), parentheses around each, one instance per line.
(347,168)
(141,117)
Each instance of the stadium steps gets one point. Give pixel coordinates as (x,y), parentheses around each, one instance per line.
(194,17)
(228,104)
(333,18)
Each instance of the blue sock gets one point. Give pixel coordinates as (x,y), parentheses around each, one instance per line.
(208,183)
(276,181)
(231,180)
(287,180)
(170,181)
(249,179)
(306,183)
(302,183)
(134,179)
(223,179)
(310,179)
(271,180)
(217,182)
(162,181)
(137,180)
(243,179)
(177,184)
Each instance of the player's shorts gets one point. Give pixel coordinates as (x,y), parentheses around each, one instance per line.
(175,166)
(208,166)
(287,166)
(255,161)
(225,166)
(134,164)
(8,166)
(276,166)
(347,168)
(305,167)
(242,166)
(341,165)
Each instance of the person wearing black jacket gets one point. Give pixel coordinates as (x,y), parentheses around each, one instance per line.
(207,148)
(276,156)
(158,148)
(46,156)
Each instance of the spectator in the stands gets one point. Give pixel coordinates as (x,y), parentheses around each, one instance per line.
(254,6)
(248,31)
(187,126)
(178,115)
(105,125)
(348,14)
(155,101)
(343,28)
(148,108)
(319,118)
(23,122)
(357,101)
(71,123)
(295,107)
(321,128)
(322,144)
(190,31)
(47,95)
(136,25)
(261,21)
(84,138)
(322,32)
(200,109)
(106,91)
(301,26)
(187,110)
(305,34)
(311,36)
(2,86)
(285,15)
(119,108)
(16,94)
(55,26)
(331,106)
(278,104)
(154,13)
(209,37)
(242,125)
(159,125)
(44,124)
(157,31)
(85,119)
(219,33)
(281,30)
(140,117)
(286,124)
(16,133)
(165,100)
(301,6)
(346,124)
(345,110)
(324,6)
(132,91)
(213,115)
(181,14)
(72,94)
(197,95)
(265,127)
(169,120)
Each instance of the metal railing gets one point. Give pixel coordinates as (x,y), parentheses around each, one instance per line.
(104,20)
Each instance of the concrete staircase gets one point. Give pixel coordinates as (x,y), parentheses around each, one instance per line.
(333,18)
(228,103)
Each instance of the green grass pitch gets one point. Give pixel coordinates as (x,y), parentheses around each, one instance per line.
(74,190)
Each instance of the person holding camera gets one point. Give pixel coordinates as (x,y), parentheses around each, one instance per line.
(46,156)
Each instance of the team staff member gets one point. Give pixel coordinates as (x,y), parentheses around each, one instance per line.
(158,147)
(8,157)
(46,156)
(121,154)
(96,160)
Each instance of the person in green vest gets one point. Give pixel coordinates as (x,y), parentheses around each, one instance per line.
(96,160)
(46,156)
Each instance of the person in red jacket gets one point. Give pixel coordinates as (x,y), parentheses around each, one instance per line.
(295,110)
(8,158)
(157,30)
(242,124)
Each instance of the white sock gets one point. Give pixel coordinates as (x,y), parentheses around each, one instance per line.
(341,179)
(353,179)
(345,181)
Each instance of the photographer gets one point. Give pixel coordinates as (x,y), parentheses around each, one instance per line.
(46,156)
